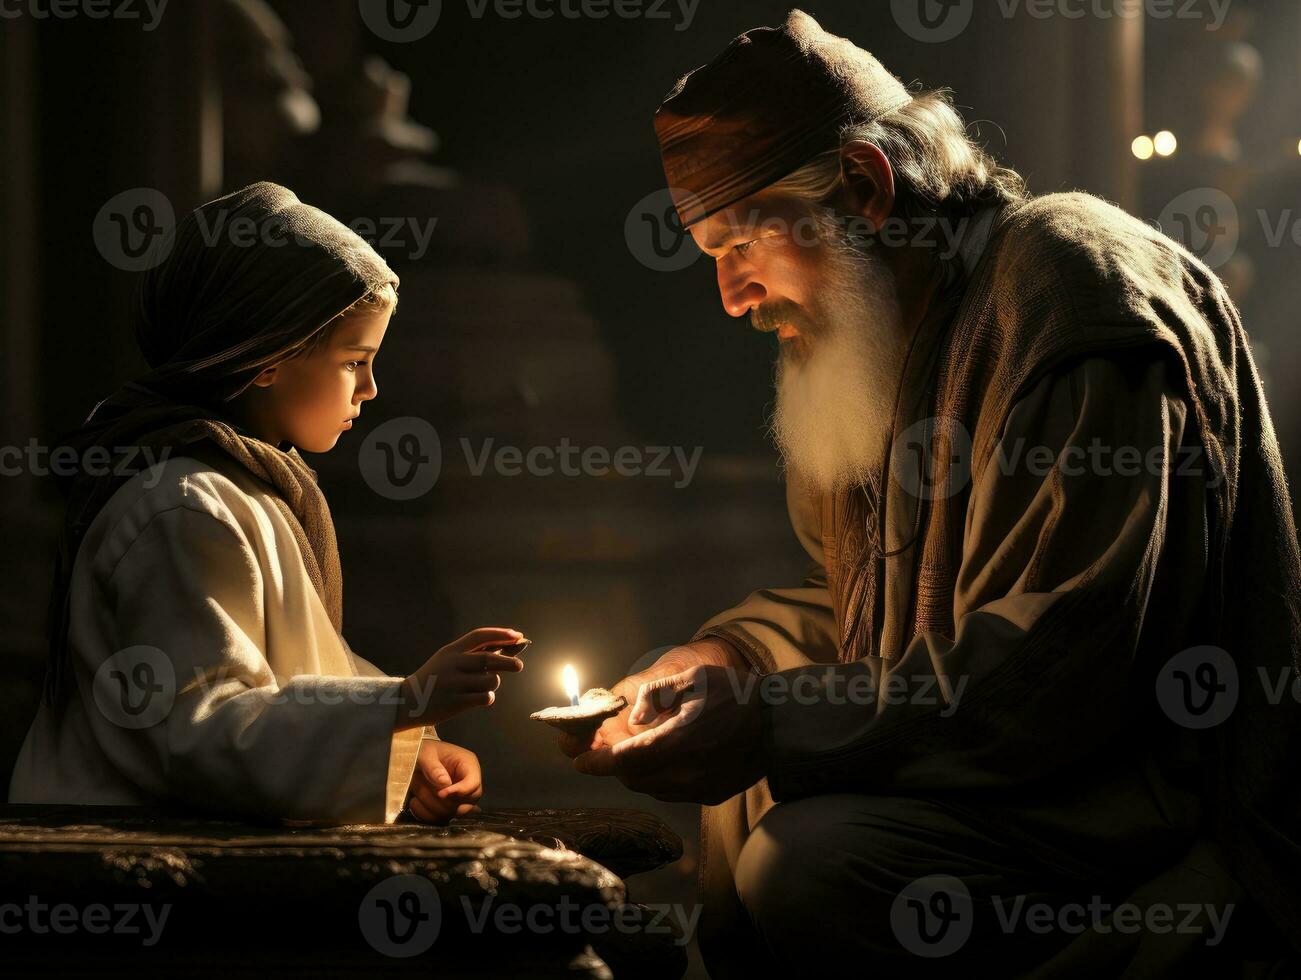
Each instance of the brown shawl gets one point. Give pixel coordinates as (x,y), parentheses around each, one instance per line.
(244,282)
(1067,276)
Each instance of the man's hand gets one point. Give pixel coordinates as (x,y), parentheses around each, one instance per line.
(446,783)
(696,738)
(710,652)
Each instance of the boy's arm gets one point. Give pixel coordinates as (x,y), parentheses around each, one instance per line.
(186,597)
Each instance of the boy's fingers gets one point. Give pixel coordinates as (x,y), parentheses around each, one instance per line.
(466,789)
(485,635)
(479,661)
(465,808)
(476,683)
(422,812)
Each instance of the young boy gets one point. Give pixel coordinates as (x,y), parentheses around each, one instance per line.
(196,656)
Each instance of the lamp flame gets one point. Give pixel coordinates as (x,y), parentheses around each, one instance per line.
(570,677)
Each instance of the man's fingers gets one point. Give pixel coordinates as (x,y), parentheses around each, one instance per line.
(652,700)
(465,808)
(574,745)
(597,762)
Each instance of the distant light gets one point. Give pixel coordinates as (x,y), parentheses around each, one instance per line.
(1144,148)
(1298,147)
(1165,143)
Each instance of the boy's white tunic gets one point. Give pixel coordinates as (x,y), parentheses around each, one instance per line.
(274,715)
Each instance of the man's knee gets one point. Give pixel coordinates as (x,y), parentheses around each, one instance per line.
(808,858)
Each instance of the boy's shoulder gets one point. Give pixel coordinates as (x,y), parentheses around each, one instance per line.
(197,480)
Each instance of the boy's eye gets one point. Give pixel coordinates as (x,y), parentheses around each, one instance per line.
(352,365)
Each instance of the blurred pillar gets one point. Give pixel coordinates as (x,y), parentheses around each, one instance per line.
(1069,93)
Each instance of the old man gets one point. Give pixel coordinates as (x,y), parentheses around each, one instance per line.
(1037,682)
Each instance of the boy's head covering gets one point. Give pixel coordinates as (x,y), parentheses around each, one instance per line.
(775,98)
(244,282)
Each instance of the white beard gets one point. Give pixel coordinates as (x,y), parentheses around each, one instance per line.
(835,407)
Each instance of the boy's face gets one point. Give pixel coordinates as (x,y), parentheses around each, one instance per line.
(309,400)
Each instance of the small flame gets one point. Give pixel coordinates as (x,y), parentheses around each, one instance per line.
(570,677)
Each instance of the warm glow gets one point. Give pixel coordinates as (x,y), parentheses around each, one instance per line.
(1298,146)
(570,677)
(1144,148)
(1165,143)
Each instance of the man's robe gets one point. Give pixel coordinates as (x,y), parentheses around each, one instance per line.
(1055,599)
(272,715)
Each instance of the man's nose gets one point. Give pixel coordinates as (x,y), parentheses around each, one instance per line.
(740,290)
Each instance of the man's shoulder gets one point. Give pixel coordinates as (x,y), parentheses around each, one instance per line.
(1077,234)
(1079,256)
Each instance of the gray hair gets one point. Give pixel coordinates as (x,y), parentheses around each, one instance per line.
(939,170)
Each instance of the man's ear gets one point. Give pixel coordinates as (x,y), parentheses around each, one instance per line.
(266,379)
(869,181)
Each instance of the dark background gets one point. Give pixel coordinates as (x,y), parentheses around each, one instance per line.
(532,319)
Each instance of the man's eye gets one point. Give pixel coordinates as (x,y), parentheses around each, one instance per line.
(745,246)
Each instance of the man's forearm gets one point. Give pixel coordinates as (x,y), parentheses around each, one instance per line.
(708,652)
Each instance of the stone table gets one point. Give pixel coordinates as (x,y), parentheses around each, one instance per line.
(127,890)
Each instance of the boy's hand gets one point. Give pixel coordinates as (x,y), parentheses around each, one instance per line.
(446,784)
(462,675)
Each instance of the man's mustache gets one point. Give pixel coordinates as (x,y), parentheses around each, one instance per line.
(767,317)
